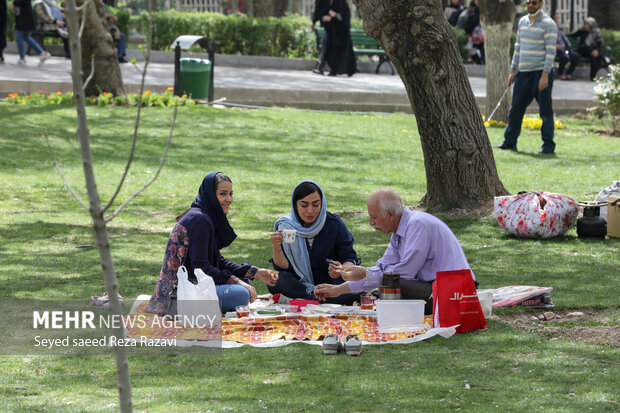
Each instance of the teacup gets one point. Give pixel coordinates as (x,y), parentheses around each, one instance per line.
(288,235)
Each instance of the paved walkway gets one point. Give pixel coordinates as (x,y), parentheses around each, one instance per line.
(266,87)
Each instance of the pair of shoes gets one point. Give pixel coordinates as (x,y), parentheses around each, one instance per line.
(20,62)
(352,344)
(43,57)
(332,74)
(546,152)
(64,33)
(318,71)
(504,147)
(122,60)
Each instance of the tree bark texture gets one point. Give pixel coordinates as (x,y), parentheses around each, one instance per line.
(458,158)
(96,40)
(496,17)
(497,49)
(95,209)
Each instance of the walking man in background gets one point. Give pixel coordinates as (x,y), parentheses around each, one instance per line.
(532,74)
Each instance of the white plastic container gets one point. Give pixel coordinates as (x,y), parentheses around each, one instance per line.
(486,302)
(400,315)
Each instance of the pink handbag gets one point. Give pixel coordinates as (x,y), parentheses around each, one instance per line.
(535,214)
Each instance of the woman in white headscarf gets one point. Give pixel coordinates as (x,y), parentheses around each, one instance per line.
(322,248)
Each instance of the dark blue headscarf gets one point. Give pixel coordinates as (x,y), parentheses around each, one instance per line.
(208,202)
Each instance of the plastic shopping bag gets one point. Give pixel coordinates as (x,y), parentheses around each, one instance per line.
(197,304)
(536,214)
(455,301)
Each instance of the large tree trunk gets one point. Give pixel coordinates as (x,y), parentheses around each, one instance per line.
(496,17)
(96,41)
(606,13)
(460,168)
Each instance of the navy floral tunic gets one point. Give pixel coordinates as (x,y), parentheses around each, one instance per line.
(192,243)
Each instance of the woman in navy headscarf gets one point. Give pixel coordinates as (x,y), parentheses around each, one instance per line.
(323,247)
(195,242)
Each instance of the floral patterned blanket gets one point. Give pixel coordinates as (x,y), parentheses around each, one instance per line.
(260,330)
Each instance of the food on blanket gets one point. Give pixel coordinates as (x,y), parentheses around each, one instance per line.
(275,275)
(289,308)
(270,311)
(242,311)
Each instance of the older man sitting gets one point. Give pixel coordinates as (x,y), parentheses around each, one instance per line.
(420,246)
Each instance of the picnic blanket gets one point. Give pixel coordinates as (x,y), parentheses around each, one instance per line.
(274,331)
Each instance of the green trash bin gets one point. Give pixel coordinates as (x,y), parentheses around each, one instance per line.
(195,77)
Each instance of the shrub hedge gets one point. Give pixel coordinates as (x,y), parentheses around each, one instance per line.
(289,36)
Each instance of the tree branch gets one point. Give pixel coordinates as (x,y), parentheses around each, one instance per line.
(92,73)
(83,22)
(161,164)
(49,147)
(136,127)
(83,6)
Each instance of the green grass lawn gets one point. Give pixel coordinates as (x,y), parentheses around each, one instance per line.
(266,152)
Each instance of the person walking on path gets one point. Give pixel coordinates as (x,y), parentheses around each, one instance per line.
(2,29)
(24,22)
(321,8)
(339,49)
(532,74)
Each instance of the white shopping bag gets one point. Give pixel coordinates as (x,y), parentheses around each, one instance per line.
(197,304)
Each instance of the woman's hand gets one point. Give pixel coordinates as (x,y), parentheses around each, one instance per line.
(353,273)
(250,289)
(269,277)
(335,269)
(276,238)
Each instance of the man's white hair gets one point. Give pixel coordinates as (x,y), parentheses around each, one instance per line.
(390,201)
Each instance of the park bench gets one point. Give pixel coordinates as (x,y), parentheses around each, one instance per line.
(363,45)
(39,35)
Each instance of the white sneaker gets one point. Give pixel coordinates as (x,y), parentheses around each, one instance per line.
(20,62)
(43,57)
(64,33)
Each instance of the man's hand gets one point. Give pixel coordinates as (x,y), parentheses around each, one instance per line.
(511,78)
(354,273)
(111,18)
(322,291)
(267,276)
(544,81)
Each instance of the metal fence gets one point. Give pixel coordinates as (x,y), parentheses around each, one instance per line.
(572,13)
